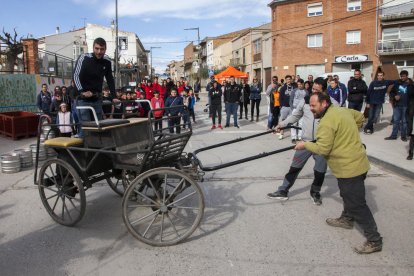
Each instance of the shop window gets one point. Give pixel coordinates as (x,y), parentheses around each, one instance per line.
(315,9)
(353,37)
(354,5)
(315,40)
(410,62)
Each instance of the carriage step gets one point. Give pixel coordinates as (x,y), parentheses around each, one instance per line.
(64,142)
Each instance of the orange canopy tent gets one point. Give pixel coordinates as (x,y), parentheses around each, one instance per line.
(231,71)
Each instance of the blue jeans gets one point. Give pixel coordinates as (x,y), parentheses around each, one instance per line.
(231,109)
(374,111)
(86,115)
(399,119)
(354,105)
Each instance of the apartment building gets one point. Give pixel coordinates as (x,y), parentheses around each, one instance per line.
(320,36)
(396,42)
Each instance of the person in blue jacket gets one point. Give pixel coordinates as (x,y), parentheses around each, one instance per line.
(375,99)
(174,114)
(44,100)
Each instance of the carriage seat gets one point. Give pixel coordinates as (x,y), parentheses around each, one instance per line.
(64,142)
(105,123)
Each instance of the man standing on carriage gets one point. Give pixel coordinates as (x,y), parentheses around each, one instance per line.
(90,70)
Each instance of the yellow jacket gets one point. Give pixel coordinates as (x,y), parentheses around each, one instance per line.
(339,142)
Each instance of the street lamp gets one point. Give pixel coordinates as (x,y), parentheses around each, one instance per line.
(151,58)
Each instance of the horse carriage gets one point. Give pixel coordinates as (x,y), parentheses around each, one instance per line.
(162,202)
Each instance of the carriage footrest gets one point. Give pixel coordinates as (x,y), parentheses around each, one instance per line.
(64,142)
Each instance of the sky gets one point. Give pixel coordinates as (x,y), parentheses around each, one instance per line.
(154,21)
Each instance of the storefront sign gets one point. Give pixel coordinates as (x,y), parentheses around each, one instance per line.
(351,58)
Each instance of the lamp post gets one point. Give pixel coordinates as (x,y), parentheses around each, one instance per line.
(199,49)
(151,58)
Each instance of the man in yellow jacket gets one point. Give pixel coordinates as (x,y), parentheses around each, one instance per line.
(338,140)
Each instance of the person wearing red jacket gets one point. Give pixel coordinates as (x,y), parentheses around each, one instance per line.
(155,86)
(157,103)
(163,89)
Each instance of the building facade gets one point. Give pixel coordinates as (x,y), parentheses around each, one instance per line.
(322,36)
(396,42)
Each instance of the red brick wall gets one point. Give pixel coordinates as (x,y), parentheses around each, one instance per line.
(31,48)
(290,39)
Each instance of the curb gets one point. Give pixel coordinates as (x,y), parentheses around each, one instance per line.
(391,167)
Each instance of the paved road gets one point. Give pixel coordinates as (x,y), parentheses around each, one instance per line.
(242,233)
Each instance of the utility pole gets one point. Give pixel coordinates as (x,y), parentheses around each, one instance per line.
(116,46)
(198,50)
(151,59)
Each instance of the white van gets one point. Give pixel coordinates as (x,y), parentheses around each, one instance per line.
(344,77)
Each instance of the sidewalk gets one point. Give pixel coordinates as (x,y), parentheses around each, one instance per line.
(390,155)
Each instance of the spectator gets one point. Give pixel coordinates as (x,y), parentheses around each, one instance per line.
(64,120)
(65,97)
(399,95)
(208,88)
(186,103)
(232,94)
(298,94)
(44,100)
(107,106)
(357,89)
(191,103)
(284,99)
(157,104)
(335,92)
(174,113)
(375,99)
(410,120)
(269,91)
(197,89)
(255,98)
(244,99)
(308,87)
(274,105)
(343,89)
(215,94)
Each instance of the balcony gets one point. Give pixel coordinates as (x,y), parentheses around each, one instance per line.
(257,57)
(399,12)
(396,47)
(236,62)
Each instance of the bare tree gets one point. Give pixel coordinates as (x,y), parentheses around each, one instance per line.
(11,49)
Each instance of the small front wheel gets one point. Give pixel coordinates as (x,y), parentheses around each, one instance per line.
(62,192)
(162,206)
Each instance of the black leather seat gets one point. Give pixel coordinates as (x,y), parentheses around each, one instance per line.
(105,123)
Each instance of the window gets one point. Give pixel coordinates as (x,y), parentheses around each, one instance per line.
(353,37)
(314,40)
(398,33)
(257,46)
(354,5)
(123,43)
(315,9)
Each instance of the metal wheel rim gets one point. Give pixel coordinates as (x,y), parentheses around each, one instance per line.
(62,192)
(167,216)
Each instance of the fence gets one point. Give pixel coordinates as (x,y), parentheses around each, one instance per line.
(52,64)
(8,65)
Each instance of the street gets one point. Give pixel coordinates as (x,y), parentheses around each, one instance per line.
(242,232)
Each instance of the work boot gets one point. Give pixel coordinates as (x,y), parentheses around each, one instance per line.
(410,156)
(340,222)
(369,247)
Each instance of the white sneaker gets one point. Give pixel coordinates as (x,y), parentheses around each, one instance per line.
(280,136)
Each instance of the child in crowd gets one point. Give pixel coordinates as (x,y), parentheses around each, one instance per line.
(64,119)
(186,102)
(191,104)
(107,106)
(157,102)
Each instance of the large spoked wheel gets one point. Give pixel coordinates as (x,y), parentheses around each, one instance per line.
(116,183)
(62,192)
(162,207)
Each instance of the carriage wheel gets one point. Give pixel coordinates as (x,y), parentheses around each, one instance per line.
(116,183)
(61,192)
(162,207)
